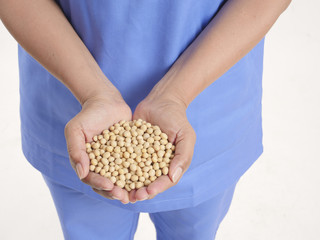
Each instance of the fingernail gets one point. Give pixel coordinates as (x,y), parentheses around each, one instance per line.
(107,189)
(79,170)
(176,174)
(145,198)
(115,198)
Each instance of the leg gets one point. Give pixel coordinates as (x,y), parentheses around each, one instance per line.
(197,223)
(83,217)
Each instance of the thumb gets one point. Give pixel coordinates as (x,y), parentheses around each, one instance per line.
(75,139)
(185,142)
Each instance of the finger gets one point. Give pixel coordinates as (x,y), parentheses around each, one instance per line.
(120,194)
(117,193)
(159,185)
(75,139)
(141,194)
(103,193)
(185,142)
(132,197)
(126,197)
(98,182)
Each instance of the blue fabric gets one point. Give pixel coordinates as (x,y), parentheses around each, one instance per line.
(84,217)
(135,43)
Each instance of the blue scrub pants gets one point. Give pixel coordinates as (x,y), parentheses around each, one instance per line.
(83,217)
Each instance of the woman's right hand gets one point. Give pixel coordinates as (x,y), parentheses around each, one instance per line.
(98,113)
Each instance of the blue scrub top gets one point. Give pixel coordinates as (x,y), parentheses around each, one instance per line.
(135,42)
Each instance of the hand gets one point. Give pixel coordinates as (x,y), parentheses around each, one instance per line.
(98,113)
(170,115)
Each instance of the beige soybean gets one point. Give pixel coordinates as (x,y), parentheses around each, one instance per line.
(153,178)
(94,162)
(131,154)
(165,170)
(158,173)
(139,185)
(92,167)
(120,183)
(102,172)
(127,187)
(97,170)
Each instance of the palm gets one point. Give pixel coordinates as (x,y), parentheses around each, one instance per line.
(97,118)
(94,117)
(171,118)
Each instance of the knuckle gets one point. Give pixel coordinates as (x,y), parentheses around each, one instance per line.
(192,133)
(74,156)
(67,127)
(71,127)
(186,164)
(73,159)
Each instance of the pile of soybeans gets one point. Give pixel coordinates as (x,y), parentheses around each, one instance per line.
(132,154)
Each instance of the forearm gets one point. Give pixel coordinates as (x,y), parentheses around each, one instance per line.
(41,28)
(236,29)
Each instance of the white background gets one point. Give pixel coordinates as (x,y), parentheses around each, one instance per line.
(278,198)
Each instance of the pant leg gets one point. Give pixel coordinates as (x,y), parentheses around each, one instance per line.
(197,223)
(82,217)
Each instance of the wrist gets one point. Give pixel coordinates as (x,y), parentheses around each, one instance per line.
(163,93)
(102,91)
(167,90)
(103,98)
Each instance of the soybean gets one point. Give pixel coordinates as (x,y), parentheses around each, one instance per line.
(131,154)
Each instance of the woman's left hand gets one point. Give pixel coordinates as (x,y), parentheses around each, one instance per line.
(169,114)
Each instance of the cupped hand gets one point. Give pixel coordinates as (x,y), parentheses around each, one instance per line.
(170,115)
(98,113)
